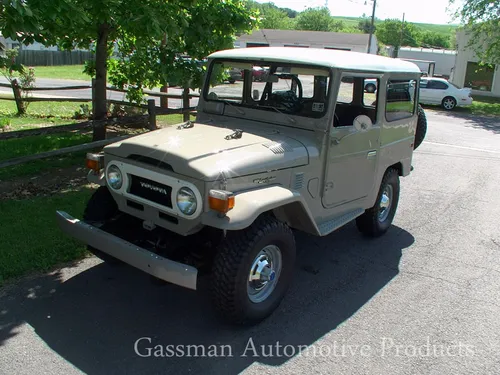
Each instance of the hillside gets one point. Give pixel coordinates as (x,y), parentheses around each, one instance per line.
(442,29)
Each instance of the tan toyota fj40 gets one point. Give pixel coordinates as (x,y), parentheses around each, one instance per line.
(304,147)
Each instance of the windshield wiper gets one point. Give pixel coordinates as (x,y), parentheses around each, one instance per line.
(291,119)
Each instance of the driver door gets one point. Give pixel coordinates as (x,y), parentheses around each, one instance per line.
(353,153)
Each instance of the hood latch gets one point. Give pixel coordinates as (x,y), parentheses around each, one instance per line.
(188,124)
(236,135)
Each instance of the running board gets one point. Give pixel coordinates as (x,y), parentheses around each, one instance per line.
(329,226)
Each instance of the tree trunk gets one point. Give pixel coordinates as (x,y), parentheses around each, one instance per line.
(164,88)
(100,105)
(21,110)
(164,100)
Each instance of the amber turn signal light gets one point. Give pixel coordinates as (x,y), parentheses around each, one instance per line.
(94,162)
(220,200)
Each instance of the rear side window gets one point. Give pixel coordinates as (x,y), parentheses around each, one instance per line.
(400,99)
(437,85)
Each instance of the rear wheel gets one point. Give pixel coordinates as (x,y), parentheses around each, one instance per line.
(449,103)
(370,88)
(252,271)
(377,219)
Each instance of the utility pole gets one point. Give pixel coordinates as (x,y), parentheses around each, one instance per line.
(401,36)
(372,27)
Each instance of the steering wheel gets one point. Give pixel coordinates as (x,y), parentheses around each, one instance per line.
(288,98)
(299,86)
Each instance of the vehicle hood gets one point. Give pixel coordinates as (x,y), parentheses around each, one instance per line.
(203,152)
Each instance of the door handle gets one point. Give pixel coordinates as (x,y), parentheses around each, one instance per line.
(371,155)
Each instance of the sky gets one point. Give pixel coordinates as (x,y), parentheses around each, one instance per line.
(421,11)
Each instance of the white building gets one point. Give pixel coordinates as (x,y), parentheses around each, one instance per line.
(310,39)
(484,80)
(443,58)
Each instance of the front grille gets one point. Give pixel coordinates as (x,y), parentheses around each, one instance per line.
(151,190)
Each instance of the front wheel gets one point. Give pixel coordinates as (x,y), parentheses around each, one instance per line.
(102,212)
(377,219)
(252,271)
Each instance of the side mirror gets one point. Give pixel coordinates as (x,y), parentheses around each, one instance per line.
(362,123)
(256,94)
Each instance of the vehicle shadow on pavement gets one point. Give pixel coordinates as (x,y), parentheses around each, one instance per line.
(489,123)
(94,319)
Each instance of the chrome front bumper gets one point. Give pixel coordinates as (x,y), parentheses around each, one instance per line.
(147,261)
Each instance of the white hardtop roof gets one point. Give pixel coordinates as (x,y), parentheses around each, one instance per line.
(345,60)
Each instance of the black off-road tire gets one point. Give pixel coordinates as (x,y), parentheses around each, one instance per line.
(232,264)
(369,223)
(100,211)
(421,128)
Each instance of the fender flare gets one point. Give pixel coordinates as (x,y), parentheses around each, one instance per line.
(250,204)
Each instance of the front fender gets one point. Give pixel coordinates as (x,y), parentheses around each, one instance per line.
(249,205)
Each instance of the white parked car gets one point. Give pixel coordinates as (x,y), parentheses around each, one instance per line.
(441,92)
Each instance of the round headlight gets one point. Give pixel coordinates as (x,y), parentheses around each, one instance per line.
(186,201)
(115,179)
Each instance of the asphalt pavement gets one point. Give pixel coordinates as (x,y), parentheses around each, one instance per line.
(423,299)
(87,94)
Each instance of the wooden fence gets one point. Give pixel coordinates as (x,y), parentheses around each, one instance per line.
(148,121)
(50,58)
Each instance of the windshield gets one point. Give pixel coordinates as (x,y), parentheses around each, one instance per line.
(284,88)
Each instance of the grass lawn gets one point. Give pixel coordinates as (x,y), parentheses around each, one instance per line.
(12,148)
(31,240)
(38,114)
(16,147)
(43,165)
(62,72)
(484,105)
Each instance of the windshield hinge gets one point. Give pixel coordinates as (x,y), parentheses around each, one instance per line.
(236,135)
(188,124)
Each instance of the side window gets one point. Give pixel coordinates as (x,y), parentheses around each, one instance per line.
(346,90)
(370,92)
(437,85)
(400,102)
(423,84)
(357,96)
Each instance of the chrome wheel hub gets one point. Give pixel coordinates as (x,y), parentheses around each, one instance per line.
(385,203)
(264,273)
(449,104)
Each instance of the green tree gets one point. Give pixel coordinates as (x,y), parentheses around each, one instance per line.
(149,36)
(275,18)
(481,19)
(315,19)
(433,39)
(365,25)
(389,33)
